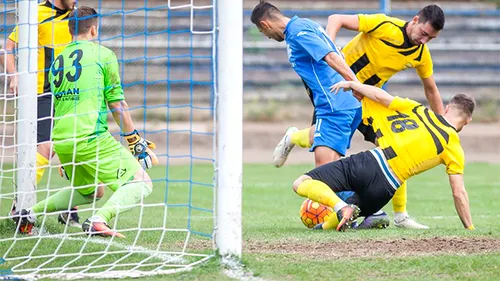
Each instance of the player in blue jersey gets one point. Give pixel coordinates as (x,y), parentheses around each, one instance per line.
(315,58)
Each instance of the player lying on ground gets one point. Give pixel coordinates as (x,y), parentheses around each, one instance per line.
(53,36)
(315,58)
(412,139)
(85,79)
(383,47)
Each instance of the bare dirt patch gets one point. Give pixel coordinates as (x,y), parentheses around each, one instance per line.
(402,247)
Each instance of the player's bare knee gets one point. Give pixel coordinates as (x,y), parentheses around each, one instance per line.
(300,180)
(143,176)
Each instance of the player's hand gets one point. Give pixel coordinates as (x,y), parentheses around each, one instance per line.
(13,84)
(344,85)
(142,149)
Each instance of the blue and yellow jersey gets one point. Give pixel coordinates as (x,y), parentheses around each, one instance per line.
(412,138)
(53,36)
(382,48)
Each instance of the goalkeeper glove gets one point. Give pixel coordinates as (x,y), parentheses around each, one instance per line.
(142,149)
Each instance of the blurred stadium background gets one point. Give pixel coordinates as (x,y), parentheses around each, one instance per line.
(168,79)
(466,59)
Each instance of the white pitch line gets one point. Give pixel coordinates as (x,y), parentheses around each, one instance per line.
(235,269)
(453,217)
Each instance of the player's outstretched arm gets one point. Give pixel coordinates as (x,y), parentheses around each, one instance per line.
(432,95)
(121,114)
(139,147)
(376,94)
(461,199)
(337,21)
(338,63)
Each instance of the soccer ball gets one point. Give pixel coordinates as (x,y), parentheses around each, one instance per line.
(313,213)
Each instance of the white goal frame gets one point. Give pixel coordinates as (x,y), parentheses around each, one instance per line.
(228,85)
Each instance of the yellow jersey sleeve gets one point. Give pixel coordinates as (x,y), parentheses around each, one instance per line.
(402,104)
(425,68)
(368,23)
(13,35)
(454,158)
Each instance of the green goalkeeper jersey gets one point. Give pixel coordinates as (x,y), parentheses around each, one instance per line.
(83,79)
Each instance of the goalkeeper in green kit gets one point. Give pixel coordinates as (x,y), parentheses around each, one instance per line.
(85,82)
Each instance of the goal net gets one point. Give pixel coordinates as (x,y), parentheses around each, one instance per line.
(167,62)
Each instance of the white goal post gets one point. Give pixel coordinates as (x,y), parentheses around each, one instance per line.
(230,136)
(27,103)
(189,217)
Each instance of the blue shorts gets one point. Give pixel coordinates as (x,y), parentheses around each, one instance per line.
(346,196)
(335,130)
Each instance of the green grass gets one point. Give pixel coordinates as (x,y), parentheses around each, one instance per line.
(276,242)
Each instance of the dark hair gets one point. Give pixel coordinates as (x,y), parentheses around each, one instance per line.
(263,10)
(81,20)
(464,103)
(432,14)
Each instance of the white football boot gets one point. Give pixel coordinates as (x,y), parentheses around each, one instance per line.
(283,148)
(405,221)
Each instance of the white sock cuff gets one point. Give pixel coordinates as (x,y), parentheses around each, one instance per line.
(339,206)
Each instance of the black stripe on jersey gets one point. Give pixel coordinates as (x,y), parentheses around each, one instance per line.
(48,4)
(444,122)
(59,12)
(367,132)
(49,58)
(360,64)
(372,80)
(441,131)
(379,134)
(380,24)
(389,153)
(420,55)
(410,51)
(437,143)
(406,40)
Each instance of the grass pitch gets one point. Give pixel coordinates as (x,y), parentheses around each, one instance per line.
(276,244)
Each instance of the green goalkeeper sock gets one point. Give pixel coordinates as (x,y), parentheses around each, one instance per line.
(122,200)
(61,201)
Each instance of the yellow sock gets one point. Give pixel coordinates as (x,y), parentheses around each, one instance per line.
(399,199)
(41,162)
(331,222)
(320,192)
(301,138)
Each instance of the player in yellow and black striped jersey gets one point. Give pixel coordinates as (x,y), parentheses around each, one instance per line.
(412,139)
(383,47)
(53,36)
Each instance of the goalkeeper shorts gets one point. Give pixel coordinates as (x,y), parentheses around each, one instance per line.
(100,160)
